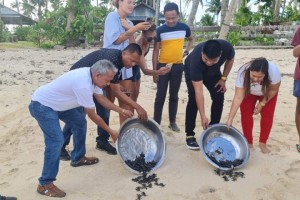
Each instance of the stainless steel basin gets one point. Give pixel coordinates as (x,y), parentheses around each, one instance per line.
(224,148)
(138,136)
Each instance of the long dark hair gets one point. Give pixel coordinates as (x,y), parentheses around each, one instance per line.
(258,65)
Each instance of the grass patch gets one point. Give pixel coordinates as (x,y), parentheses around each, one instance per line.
(17,45)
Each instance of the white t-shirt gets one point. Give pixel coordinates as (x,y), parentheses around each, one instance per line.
(71,90)
(256,88)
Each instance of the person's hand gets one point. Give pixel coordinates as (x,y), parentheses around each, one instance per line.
(257,109)
(163,70)
(127,113)
(142,113)
(155,78)
(228,123)
(125,24)
(204,122)
(114,135)
(143,26)
(221,85)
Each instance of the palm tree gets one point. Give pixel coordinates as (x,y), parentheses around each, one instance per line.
(195,5)
(224,8)
(207,20)
(228,19)
(214,6)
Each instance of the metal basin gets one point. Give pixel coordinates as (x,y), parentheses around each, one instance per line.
(138,136)
(224,148)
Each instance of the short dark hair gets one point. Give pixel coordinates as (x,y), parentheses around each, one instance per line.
(171,6)
(133,48)
(212,49)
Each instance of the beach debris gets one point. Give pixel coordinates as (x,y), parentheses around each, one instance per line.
(145,181)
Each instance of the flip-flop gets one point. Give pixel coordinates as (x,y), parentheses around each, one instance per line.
(298,147)
(85,161)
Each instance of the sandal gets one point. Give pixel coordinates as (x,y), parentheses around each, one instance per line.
(50,190)
(298,147)
(85,161)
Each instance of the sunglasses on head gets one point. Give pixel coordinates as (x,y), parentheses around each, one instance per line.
(149,39)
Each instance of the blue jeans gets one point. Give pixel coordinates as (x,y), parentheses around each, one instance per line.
(48,120)
(102,137)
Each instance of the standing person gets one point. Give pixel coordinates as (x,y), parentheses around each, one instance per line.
(168,48)
(296,93)
(118,33)
(59,100)
(128,58)
(203,67)
(256,91)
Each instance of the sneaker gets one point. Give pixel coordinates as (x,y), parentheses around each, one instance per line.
(64,154)
(174,127)
(192,143)
(7,198)
(106,147)
(50,190)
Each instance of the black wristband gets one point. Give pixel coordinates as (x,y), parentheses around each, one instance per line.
(186,52)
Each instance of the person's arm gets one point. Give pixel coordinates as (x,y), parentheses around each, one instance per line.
(189,44)
(103,100)
(236,102)
(227,68)
(155,59)
(130,30)
(198,87)
(116,90)
(274,88)
(146,71)
(296,51)
(100,122)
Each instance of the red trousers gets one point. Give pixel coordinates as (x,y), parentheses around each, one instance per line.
(266,121)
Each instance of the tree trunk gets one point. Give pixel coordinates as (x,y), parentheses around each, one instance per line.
(228,19)
(157,8)
(276,10)
(191,19)
(224,9)
(71,13)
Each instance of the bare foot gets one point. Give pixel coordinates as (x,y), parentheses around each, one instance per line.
(263,147)
(251,147)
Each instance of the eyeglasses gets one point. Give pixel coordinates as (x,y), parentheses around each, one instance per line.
(149,39)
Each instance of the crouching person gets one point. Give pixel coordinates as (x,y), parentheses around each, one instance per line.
(62,100)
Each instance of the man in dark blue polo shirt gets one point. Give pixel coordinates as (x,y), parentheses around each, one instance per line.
(203,67)
(128,58)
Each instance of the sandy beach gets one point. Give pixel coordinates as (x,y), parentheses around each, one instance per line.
(185,173)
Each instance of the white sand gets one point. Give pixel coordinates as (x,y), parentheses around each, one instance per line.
(186,173)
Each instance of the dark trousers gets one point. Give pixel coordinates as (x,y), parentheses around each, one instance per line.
(174,78)
(192,109)
(103,136)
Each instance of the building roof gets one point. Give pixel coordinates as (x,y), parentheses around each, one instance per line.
(141,12)
(9,16)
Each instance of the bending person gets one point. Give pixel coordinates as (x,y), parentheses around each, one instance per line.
(59,100)
(256,91)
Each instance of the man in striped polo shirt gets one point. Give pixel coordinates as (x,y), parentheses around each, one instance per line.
(168,48)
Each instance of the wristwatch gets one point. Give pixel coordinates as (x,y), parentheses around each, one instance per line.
(224,78)
(186,52)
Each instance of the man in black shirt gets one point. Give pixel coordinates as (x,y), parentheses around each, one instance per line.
(203,67)
(129,57)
